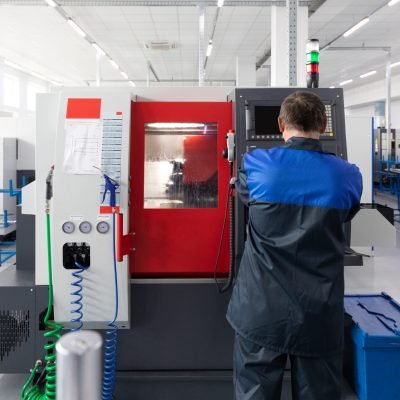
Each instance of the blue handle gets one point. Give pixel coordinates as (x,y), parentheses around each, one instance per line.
(110,186)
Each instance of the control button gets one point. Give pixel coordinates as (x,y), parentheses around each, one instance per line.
(68,227)
(103,227)
(85,227)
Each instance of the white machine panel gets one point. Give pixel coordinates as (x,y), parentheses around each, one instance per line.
(85,144)
(359,150)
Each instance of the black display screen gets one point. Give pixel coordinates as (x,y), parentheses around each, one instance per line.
(266,120)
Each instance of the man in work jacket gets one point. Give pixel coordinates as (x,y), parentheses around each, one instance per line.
(288,297)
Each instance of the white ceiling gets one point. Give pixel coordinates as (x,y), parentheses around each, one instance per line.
(39,38)
(334,18)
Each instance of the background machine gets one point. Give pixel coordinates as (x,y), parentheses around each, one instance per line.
(170,208)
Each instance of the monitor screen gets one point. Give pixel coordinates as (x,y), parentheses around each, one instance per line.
(266,120)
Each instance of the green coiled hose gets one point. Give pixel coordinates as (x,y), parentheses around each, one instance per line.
(54,332)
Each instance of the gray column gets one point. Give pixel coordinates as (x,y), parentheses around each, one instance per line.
(245,71)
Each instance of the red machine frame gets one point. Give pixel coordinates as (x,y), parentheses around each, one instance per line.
(177,242)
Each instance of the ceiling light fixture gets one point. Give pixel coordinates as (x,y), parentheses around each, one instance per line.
(13,65)
(32,73)
(124,74)
(356,27)
(367,74)
(220,3)
(331,87)
(113,63)
(393,2)
(209,48)
(51,3)
(76,28)
(132,83)
(99,49)
(396,64)
(346,82)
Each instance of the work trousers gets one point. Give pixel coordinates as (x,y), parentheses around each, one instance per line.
(258,374)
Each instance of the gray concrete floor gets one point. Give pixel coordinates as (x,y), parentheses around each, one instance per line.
(11,384)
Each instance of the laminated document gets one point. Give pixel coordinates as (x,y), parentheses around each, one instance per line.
(83,144)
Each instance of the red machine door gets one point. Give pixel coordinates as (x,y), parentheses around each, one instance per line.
(179,182)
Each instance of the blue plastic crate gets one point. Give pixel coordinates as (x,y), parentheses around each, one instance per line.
(375,339)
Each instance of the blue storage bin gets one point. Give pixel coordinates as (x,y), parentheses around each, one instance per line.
(375,338)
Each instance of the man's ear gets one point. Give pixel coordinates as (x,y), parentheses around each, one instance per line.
(281,125)
(324,129)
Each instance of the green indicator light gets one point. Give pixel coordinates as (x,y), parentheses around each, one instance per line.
(313,57)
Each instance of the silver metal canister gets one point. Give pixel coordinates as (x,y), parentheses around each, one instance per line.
(79,366)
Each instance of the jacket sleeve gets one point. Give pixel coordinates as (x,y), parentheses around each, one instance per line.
(242,191)
(356,195)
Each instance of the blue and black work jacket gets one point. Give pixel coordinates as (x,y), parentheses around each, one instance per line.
(288,296)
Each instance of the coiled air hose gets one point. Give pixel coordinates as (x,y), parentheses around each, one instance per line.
(77,293)
(33,391)
(111,335)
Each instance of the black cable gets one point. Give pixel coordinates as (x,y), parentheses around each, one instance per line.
(229,206)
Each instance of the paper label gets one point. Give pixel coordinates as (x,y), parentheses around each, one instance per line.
(83,143)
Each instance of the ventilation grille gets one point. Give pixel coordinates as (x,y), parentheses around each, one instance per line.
(14,330)
(160,45)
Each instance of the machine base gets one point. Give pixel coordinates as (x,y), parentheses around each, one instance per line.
(175,385)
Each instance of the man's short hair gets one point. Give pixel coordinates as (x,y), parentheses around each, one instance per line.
(303,111)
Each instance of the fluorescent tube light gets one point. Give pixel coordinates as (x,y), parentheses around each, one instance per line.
(396,64)
(367,74)
(113,63)
(76,28)
(54,83)
(220,3)
(356,27)
(39,76)
(132,83)
(345,82)
(173,125)
(99,49)
(124,74)
(32,73)
(13,65)
(51,3)
(209,48)
(393,2)
(331,87)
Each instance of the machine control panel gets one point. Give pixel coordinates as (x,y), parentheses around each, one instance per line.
(329,131)
(262,122)
(255,122)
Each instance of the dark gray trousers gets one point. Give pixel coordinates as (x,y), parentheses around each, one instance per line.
(258,374)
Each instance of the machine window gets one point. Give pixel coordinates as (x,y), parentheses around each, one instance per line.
(181,165)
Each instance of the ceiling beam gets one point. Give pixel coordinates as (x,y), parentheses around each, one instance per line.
(155,3)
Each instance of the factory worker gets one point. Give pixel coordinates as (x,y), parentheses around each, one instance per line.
(288,296)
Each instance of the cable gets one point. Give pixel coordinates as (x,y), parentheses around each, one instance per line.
(34,392)
(77,283)
(53,329)
(111,336)
(229,206)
